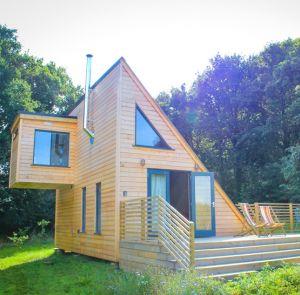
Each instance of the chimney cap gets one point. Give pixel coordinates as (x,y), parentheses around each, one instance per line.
(89,55)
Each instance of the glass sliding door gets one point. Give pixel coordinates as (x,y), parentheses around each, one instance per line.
(203,203)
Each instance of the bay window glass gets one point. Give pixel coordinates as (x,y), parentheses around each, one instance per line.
(51,148)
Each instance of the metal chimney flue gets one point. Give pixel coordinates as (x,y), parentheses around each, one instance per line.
(86,98)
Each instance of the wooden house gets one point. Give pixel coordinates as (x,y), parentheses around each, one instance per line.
(129,188)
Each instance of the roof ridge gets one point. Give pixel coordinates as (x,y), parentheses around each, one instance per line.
(102,77)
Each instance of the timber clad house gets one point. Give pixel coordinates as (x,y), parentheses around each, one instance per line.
(129,189)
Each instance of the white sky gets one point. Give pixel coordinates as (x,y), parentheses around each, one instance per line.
(166,42)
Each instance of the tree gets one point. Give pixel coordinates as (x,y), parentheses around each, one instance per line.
(26,84)
(245,124)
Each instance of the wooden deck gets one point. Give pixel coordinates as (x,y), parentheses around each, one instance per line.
(246,239)
(223,257)
(228,256)
(155,235)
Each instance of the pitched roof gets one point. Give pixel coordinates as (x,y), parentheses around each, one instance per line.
(98,81)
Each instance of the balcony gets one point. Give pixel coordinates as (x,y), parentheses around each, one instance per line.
(42,151)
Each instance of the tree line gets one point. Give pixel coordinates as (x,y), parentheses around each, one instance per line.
(241,116)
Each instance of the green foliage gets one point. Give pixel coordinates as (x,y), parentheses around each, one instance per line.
(26,84)
(43,226)
(242,117)
(164,282)
(20,237)
(284,280)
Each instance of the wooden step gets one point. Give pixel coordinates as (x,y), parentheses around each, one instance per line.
(246,249)
(201,244)
(243,266)
(247,257)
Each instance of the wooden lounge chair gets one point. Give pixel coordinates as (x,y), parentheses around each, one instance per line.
(256,228)
(270,219)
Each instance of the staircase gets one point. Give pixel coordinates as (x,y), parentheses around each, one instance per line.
(228,257)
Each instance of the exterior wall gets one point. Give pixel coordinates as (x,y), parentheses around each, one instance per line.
(96,163)
(25,174)
(227,222)
(14,156)
(64,219)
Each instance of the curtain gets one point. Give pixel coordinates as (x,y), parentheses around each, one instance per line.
(159,185)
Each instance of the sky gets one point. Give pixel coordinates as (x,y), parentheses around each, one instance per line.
(165,42)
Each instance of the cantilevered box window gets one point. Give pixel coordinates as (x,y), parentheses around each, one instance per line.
(51,148)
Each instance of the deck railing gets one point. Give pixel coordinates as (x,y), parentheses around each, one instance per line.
(149,219)
(288,213)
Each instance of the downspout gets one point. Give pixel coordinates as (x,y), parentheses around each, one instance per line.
(89,132)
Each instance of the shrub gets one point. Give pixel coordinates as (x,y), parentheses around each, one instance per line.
(20,237)
(283,280)
(129,283)
(154,282)
(42,225)
(269,281)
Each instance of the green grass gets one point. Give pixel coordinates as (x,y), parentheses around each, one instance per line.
(37,269)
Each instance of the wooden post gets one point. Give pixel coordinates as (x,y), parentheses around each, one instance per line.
(192,244)
(156,213)
(291,213)
(256,212)
(122,220)
(143,219)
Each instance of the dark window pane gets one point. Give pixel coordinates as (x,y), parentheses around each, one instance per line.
(60,149)
(51,148)
(83,209)
(145,133)
(42,144)
(98,208)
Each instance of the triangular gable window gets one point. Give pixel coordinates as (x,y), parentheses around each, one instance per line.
(145,133)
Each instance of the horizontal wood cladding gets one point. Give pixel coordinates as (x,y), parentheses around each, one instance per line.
(133,176)
(139,256)
(26,175)
(95,163)
(64,219)
(14,155)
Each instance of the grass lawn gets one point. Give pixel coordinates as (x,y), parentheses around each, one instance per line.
(37,269)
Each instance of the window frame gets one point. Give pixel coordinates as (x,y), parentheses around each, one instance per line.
(51,132)
(167,147)
(98,208)
(83,209)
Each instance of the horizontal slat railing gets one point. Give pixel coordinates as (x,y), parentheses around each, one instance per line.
(148,219)
(288,213)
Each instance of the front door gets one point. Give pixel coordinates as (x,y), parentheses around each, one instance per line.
(203,204)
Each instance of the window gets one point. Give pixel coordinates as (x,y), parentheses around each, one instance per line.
(51,148)
(98,208)
(83,209)
(145,133)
